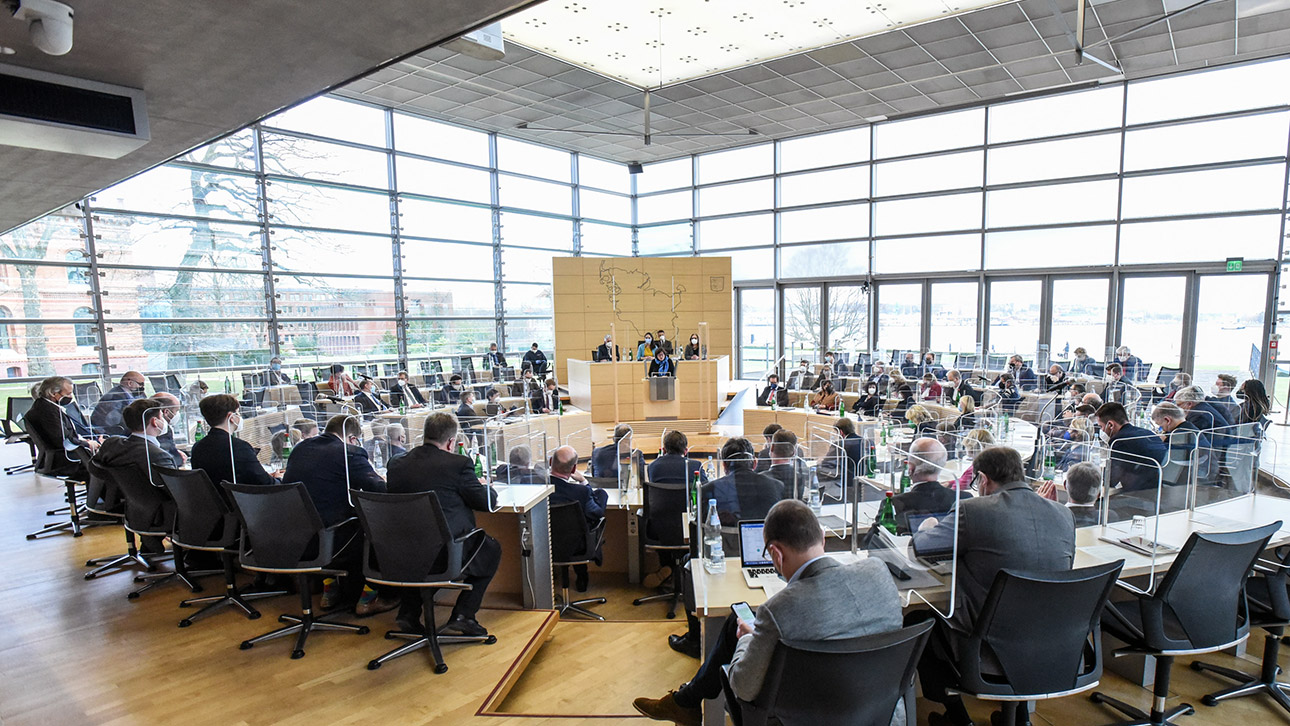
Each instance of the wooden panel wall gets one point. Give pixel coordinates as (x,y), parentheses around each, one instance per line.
(639,294)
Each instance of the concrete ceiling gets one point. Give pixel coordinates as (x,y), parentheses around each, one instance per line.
(988,54)
(209,68)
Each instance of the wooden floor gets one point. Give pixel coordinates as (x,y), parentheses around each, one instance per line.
(78,652)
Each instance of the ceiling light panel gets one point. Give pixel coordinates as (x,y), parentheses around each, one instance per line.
(653,43)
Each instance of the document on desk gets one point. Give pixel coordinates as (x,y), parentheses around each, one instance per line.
(919,578)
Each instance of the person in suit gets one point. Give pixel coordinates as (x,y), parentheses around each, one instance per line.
(406,393)
(1117,389)
(1083,493)
(1204,415)
(367,399)
(603,353)
(449,394)
(48,421)
(466,415)
(742,493)
(1082,364)
(926,495)
(693,351)
(1134,370)
(878,376)
(800,378)
(930,366)
(331,464)
(909,367)
(824,600)
(535,361)
(664,344)
(787,465)
(604,459)
(340,382)
(169,409)
(564,466)
(220,454)
(494,358)
(531,386)
(662,365)
(1009,393)
(1136,453)
(145,421)
(1022,373)
(396,438)
(960,388)
(826,399)
(547,400)
(1009,526)
(274,376)
(519,468)
(763,456)
(906,399)
(1055,380)
(674,466)
(773,391)
(869,402)
(494,405)
(853,449)
(1182,436)
(433,467)
(106,418)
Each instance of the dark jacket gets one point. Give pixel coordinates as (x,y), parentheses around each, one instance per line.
(965,389)
(106,418)
(781,396)
(451,477)
(604,461)
(602,352)
(50,423)
(211,455)
(449,395)
(536,361)
(665,367)
(507,474)
(167,443)
(925,497)
(1206,416)
(541,401)
(321,464)
(495,360)
(786,475)
(401,393)
(741,494)
(867,405)
(592,500)
(1133,449)
(134,451)
(676,469)
(369,402)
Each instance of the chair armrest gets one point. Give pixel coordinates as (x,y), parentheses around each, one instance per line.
(340,524)
(1120,624)
(468,535)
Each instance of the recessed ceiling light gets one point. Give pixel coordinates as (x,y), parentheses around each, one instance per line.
(6,50)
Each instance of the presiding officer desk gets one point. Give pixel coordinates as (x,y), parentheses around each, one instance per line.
(700,386)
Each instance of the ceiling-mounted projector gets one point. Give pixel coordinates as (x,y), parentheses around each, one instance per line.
(49,23)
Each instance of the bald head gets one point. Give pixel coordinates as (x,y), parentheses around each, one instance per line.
(564,460)
(169,403)
(927,458)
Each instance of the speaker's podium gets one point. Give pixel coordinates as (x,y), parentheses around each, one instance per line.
(660,398)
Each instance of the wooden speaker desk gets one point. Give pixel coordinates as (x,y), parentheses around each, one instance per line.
(700,384)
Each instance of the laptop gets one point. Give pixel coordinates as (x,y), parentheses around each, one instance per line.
(754,563)
(936,559)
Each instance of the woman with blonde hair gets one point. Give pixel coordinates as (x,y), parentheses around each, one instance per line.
(973,443)
(967,413)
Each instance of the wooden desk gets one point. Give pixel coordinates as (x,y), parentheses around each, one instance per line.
(622,533)
(522,523)
(572,429)
(700,384)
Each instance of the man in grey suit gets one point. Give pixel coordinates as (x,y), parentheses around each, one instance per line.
(824,600)
(1010,526)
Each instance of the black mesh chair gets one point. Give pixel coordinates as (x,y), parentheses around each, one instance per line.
(283,534)
(14,432)
(103,498)
(410,545)
(205,522)
(150,512)
(1038,637)
(73,493)
(856,681)
(574,543)
(663,531)
(1268,594)
(1199,607)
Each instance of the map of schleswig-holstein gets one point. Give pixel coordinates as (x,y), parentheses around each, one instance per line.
(616,279)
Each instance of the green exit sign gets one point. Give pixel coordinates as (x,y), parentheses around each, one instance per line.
(1234,264)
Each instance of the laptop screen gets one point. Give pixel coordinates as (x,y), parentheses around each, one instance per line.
(752,547)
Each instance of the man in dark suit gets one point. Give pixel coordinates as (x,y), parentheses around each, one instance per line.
(675,466)
(1204,415)
(531,386)
(662,343)
(1008,527)
(1083,485)
(518,468)
(853,448)
(466,415)
(330,465)
(564,467)
(763,456)
(547,400)
(406,393)
(909,367)
(773,391)
(961,387)
(604,459)
(1022,373)
(742,493)
(494,358)
(450,393)
(106,418)
(274,376)
(169,409)
(783,468)
(433,467)
(367,399)
(603,353)
(1136,453)
(140,450)
(927,457)
(48,421)
(535,361)
(221,455)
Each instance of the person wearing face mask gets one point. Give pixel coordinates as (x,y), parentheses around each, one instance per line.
(930,366)
(1180,381)
(929,389)
(340,381)
(221,455)
(869,402)
(1175,428)
(800,378)
(169,408)
(367,399)
(960,388)
(406,393)
(1117,388)
(274,376)
(106,418)
(535,361)
(910,368)
(1009,396)
(49,420)
(663,342)
(645,350)
(773,391)
(1021,373)
(1056,379)
(1132,364)
(692,351)
(1082,364)
(603,354)
(826,399)
(144,420)
(878,376)
(1135,451)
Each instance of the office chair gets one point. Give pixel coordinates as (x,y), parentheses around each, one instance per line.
(1269,603)
(663,533)
(410,545)
(574,543)
(1038,636)
(1199,607)
(103,498)
(150,512)
(14,432)
(44,467)
(283,534)
(205,522)
(1166,375)
(857,681)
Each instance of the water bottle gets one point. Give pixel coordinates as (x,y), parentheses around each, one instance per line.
(714,555)
(887,513)
(813,500)
(286,449)
(378,461)
(199,433)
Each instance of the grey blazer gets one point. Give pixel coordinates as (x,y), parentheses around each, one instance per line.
(828,601)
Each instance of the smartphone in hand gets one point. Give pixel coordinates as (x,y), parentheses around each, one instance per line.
(743,612)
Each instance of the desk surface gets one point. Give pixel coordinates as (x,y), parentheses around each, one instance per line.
(520,498)
(715,593)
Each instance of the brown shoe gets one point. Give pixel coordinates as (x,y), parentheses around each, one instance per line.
(375,606)
(666,709)
(656,579)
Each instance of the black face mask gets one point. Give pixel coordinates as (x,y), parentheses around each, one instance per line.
(65,401)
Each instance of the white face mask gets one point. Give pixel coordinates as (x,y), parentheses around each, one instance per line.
(1104,436)
(162,426)
(235,427)
(694,341)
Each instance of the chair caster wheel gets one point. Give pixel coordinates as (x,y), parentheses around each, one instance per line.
(132,596)
(138,579)
(297,654)
(197,588)
(373,665)
(364,630)
(282,618)
(389,635)
(1196,666)
(89,563)
(31,537)
(490,640)
(90,576)
(185,605)
(441,669)
(77,534)
(246,645)
(1190,710)
(185,623)
(1095,698)
(1209,700)
(253,615)
(671,616)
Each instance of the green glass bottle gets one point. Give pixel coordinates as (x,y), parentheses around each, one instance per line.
(904,481)
(479,466)
(887,514)
(199,433)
